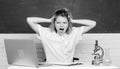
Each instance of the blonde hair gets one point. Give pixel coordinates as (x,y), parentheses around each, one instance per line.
(64,13)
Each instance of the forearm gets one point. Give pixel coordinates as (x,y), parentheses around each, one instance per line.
(37,20)
(85,22)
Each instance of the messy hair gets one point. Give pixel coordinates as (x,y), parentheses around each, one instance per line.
(64,13)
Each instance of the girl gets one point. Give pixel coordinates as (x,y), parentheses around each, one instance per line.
(60,38)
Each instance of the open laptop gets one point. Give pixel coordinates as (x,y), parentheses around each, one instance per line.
(21,52)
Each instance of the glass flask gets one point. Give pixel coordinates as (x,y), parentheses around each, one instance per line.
(107,60)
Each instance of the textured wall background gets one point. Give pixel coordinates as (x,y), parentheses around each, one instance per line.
(13,13)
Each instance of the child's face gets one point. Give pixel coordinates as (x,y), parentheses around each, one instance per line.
(61,24)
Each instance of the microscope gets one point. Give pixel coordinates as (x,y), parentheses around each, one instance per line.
(98,53)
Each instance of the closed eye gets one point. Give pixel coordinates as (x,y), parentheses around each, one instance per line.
(58,22)
(64,22)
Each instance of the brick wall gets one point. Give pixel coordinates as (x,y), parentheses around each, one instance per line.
(84,49)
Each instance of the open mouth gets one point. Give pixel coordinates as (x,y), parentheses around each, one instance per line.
(61,29)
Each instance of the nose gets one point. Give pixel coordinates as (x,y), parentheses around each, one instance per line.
(61,24)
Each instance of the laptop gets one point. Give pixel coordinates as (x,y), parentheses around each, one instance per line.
(21,52)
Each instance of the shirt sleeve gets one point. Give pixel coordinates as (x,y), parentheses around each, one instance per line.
(41,31)
(79,33)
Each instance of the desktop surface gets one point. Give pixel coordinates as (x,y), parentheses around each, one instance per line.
(66,67)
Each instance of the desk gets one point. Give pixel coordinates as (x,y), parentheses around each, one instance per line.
(66,67)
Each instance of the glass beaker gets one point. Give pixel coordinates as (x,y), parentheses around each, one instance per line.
(107,60)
